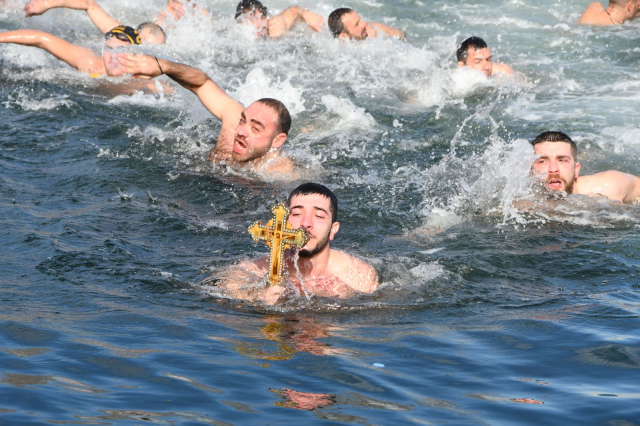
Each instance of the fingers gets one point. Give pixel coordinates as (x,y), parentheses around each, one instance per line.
(31,9)
(139,66)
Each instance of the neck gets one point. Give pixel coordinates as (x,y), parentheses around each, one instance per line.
(314,266)
(614,15)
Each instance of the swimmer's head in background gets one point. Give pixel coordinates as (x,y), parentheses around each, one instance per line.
(249,6)
(336,26)
(473,42)
(255,13)
(124,33)
(151,33)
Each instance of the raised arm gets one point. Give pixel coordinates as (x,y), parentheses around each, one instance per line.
(78,57)
(214,99)
(98,16)
(390,31)
(281,23)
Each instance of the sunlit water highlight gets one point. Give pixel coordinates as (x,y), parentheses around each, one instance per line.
(112,220)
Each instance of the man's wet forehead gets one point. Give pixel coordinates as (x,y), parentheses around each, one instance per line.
(552,148)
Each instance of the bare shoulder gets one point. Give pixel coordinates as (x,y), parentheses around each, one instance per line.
(281,168)
(612,184)
(499,68)
(353,271)
(591,14)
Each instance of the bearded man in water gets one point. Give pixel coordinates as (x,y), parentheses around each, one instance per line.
(556,165)
(318,270)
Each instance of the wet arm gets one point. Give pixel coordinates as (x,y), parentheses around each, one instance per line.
(390,31)
(281,23)
(214,99)
(78,57)
(98,16)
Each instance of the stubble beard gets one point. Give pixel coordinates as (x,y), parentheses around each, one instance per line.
(568,186)
(317,249)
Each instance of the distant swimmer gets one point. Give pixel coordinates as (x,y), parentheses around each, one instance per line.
(619,11)
(346,23)
(474,53)
(79,57)
(318,270)
(557,167)
(255,13)
(249,136)
(150,33)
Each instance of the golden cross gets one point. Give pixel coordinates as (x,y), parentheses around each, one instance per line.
(279,235)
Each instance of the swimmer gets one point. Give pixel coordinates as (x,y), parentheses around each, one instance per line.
(176,10)
(250,137)
(79,57)
(255,13)
(556,166)
(150,33)
(346,23)
(619,11)
(324,271)
(474,53)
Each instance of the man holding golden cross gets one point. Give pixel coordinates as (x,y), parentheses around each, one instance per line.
(318,270)
(279,235)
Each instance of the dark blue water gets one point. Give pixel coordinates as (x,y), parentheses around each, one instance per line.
(112,220)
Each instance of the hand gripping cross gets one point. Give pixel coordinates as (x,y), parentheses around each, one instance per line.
(278,235)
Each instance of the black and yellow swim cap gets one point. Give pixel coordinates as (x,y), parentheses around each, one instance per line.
(124,33)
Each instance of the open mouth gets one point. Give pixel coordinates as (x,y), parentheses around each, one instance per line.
(239,146)
(555,184)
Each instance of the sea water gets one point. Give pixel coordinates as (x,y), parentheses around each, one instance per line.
(490,311)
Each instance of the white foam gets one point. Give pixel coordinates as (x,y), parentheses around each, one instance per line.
(258,85)
(26,101)
(349,116)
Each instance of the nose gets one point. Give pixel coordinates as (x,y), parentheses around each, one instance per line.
(553,166)
(241,130)
(306,221)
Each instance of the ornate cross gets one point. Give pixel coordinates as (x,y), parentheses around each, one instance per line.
(279,235)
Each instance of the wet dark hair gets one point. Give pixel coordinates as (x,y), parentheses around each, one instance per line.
(473,42)
(556,137)
(311,188)
(154,29)
(246,6)
(335,21)
(284,118)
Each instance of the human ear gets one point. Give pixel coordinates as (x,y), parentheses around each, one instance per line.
(578,166)
(278,141)
(335,227)
(461,64)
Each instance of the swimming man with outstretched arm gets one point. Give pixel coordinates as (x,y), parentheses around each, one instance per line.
(255,13)
(150,33)
(249,136)
(345,23)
